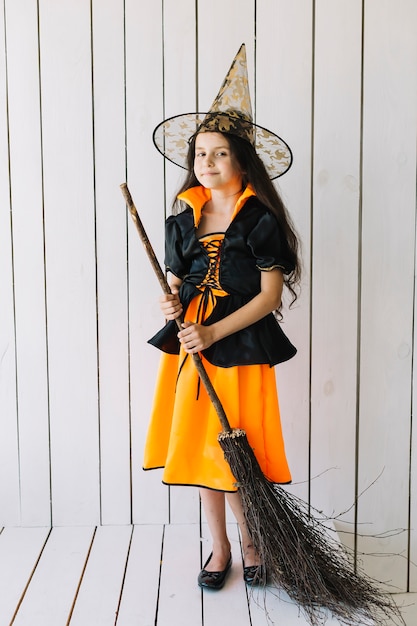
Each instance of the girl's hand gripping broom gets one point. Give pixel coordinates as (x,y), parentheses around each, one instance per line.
(295,548)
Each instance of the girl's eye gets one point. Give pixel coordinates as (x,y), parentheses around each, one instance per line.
(217,154)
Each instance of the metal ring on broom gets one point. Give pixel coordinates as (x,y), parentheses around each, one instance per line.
(295,548)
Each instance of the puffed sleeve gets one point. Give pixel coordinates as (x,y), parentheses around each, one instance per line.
(174,259)
(269,246)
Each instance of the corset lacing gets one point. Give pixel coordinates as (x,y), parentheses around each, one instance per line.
(210,285)
(213,249)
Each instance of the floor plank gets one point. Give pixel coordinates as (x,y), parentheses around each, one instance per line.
(99,594)
(20,549)
(179,594)
(52,590)
(407,603)
(274,607)
(138,604)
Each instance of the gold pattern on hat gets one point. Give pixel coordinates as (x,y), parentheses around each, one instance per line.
(234,93)
(231,112)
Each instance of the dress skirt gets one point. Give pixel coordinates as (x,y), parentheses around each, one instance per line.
(183,428)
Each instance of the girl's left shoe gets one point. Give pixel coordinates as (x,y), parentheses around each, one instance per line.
(254,575)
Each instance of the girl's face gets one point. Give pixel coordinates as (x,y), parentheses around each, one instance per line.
(214,165)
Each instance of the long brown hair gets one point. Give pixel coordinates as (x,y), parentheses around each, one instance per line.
(254,172)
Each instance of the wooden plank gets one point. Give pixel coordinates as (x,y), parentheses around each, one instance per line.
(179,58)
(98,597)
(144,84)
(412,555)
(9,462)
(65,52)
(407,602)
(337,121)
(389,169)
(275,607)
(179,593)
(283,104)
(180,69)
(110,171)
(28,260)
(20,549)
(184,504)
(230,605)
(139,599)
(179,97)
(59,571)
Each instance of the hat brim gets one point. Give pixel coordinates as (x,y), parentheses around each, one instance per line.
(171,138)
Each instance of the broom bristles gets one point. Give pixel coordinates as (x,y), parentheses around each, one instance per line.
(297,551)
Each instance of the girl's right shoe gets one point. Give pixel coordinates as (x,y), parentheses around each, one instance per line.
(213,580)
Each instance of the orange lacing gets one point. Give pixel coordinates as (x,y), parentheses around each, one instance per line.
(213,247)
(210,285)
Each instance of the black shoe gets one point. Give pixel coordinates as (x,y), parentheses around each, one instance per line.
(254,575)
(213,580)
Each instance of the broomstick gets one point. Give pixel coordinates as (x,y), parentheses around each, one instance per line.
(295,548)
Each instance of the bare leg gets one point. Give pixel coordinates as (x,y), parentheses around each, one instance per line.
(214,509)
(250,557)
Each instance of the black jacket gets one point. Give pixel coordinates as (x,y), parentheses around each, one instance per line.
(253,243)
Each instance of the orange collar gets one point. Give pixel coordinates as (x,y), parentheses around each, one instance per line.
(196,198)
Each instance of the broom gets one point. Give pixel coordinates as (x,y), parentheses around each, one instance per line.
(295,548)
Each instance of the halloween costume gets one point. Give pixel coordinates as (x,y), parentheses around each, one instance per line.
(220,273)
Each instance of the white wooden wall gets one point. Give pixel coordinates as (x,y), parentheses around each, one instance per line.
(82,85)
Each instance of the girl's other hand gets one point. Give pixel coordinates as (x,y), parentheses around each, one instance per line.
(170,304)
(195,337)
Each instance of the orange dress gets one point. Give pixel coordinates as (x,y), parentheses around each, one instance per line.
(183,428)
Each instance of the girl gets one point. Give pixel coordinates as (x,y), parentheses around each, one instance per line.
(230,249)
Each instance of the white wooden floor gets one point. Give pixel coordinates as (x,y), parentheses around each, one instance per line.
(130,576)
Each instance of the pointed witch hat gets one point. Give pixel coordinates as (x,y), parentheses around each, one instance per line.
(231,112)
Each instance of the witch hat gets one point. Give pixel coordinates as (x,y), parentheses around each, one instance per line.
(231,112)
